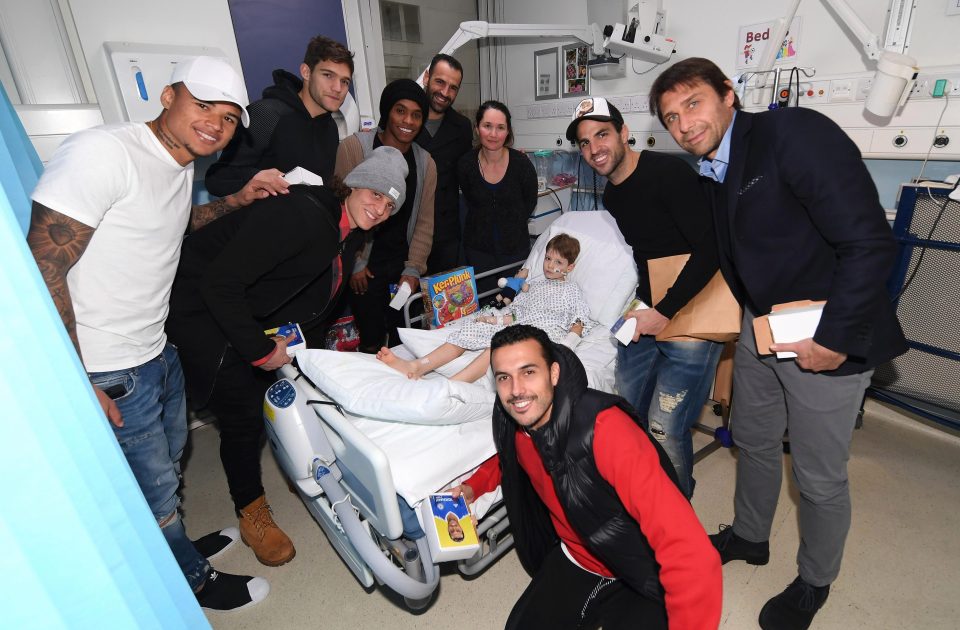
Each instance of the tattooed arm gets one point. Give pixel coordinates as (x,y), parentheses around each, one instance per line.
(201,215)
(57,243)
(256,188)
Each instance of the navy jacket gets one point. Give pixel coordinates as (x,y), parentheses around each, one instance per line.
(798,217)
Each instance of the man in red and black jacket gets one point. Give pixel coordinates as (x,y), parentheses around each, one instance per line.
(597,515)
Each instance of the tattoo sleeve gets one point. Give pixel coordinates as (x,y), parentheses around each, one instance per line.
(201,215)
(57,242)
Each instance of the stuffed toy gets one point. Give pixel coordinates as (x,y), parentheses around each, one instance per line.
(510,287)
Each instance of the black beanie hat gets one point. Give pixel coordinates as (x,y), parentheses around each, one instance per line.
(398,90)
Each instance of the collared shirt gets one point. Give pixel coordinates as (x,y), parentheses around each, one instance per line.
(716,169)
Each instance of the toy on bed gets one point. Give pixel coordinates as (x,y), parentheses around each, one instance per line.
(364,445)
(510,287)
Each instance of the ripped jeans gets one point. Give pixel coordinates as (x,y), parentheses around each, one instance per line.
(154,432)
(667,382)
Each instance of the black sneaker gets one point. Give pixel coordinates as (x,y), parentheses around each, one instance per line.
(794,608)
(223,591)
(215,543)
(732,547)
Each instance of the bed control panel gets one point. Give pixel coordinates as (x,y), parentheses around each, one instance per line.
(295,435)
(282,394)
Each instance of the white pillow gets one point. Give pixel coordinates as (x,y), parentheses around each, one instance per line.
(365,386)
(422,342)
(605,271)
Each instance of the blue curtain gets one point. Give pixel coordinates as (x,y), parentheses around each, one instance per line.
(81,548)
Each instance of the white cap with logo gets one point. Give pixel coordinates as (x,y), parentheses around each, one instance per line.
(594,108)
(213,79)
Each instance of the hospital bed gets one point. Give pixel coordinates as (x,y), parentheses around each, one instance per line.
(363,445)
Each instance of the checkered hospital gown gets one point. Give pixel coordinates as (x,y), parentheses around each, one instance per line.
(551,305)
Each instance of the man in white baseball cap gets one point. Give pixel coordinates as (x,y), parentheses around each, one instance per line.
(109,214)
(213,79)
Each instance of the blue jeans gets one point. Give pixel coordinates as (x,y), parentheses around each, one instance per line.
(668,382)
(154,432)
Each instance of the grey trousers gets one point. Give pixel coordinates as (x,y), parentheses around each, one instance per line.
(769,397)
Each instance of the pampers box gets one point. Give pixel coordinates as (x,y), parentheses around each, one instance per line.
(449,528)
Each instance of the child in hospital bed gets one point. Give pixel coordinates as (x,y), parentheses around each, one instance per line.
(551,303)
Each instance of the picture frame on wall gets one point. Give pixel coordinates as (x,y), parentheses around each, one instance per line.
(574,78)
(546,74)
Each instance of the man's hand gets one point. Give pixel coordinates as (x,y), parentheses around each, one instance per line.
(271,181)
(578,328)
(468,496)
(358,281)
(649,322)
(412,281)
(811,355)
(266,183)
(279,358)
(109,407)
(465,490)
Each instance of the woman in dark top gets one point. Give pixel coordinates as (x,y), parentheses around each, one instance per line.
(280,260)
(499,185)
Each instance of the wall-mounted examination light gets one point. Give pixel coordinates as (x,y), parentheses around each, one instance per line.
(895,74)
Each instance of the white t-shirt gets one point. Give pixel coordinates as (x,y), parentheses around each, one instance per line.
(121,181)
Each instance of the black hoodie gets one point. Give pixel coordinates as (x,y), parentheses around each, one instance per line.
(281,135)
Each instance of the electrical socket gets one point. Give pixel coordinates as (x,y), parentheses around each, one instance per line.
(863,88)
(841,90)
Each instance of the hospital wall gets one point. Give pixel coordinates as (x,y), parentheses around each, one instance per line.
(711,29)
(172,22)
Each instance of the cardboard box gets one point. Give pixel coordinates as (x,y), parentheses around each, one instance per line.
(787,323)
(448,527)
(292,332)
(448,296)
(624,327)
(300,175)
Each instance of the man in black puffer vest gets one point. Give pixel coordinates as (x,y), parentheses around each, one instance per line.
(598,518)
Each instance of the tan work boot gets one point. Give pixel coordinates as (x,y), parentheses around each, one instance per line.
(258,530)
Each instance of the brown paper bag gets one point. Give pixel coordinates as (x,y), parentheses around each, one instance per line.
(713,314)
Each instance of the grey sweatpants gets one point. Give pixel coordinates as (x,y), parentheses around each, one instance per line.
(771,396)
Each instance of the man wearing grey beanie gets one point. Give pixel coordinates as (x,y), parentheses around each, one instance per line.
(385,171)
(283,259)
(397,252)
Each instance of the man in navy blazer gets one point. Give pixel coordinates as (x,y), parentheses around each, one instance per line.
(797,217)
